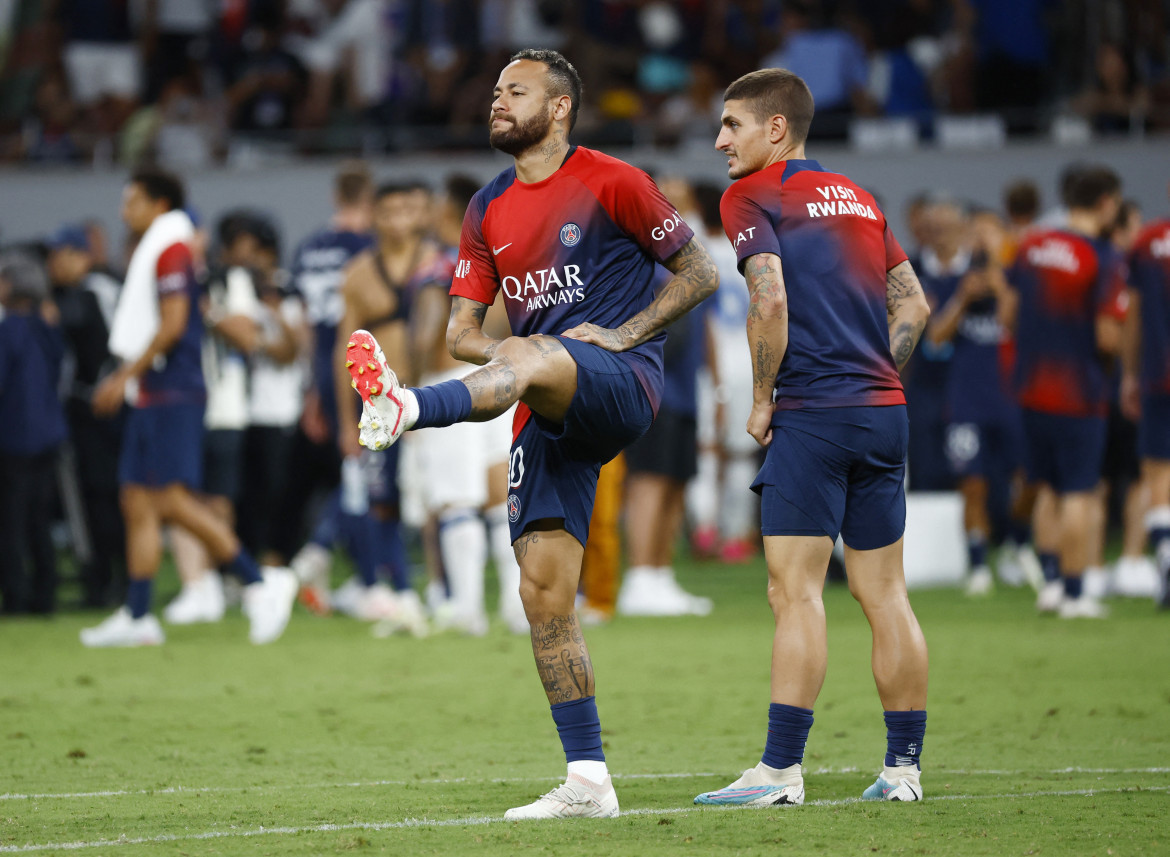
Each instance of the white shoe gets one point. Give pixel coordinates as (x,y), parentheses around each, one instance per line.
(1050,597)
(383,402)
(648,592)
(980,583)
(121,630)
(1096,583)
(1136,577)
(1085,607)
(408,617)
(198,601)
(449,618)
(902,783)
(268,604)
(1007,565)
(312,566)
(576,798)
(1030,566)
(760,786)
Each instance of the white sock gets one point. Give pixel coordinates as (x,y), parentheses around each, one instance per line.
(507,569)
(793,775)
(463,545)
(595,772)
(409,408)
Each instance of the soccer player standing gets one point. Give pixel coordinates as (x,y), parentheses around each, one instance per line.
(1072,303)
(571,237)
(1146,385)
(835,312)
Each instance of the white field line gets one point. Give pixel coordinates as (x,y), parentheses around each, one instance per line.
(470,821)
(496,780)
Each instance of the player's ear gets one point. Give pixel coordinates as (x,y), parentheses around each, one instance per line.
(562,107)
(777,128)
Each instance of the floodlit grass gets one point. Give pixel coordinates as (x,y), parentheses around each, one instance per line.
(1045,737)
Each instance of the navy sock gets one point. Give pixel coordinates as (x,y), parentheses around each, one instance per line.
(1019,532)
(138,597)
(392,552)
(904,733)
(243,567)
(580,729)
(976,549)
(358,535)
(1074,586)
(327,530)
(442,404)
(1159,540)
(787,734)
(1050,565)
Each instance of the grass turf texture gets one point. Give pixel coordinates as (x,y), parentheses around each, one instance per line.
(1045,737)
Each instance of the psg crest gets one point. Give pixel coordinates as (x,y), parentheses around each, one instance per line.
(570,234)
(513,508)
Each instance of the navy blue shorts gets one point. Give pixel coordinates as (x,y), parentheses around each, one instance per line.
(553,468)
(162,445)
(836,471)
(1065,453)
(1154,428)
(382,472)
(986,447)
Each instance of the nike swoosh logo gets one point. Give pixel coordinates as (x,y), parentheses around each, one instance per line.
(496,251)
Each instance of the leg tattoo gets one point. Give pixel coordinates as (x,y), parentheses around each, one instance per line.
(562,659)
(493,389)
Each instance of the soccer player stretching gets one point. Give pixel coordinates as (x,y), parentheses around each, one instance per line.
(835,312)
(571,237)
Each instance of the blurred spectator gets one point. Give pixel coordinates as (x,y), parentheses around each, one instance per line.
(441,38)
(102,59)
(30,360)
(1012,47)
(86,299)
(48,133)
(175,37)
(692,116)
(832,62)
(266,82)
(181,131)
(348,42)
(1116,103)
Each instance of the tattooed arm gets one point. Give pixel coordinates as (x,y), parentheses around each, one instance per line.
(767,334)
(695,278)
(906,311)
(465,337)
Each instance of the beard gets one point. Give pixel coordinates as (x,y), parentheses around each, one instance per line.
(522,135)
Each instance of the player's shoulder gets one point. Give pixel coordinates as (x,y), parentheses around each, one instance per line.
(597,169)
(1156,230)
(492,191)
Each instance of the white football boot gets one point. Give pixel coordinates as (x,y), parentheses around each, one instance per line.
(576,798)
(1050,597)
(268,604)
(1136,577)
(902,783)
(1085,607)
(312,565)
(383,398)
(980,582)
(760,786)
(200,600)
(122,630)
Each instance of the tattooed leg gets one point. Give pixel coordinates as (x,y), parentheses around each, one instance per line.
(535,369)
(562,659)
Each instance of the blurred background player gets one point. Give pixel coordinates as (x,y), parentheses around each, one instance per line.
(86,297)
(378,293)
(156,333)
(31,350)
(318,270)
(1147,382)
(463,468)
(571,237)
(724,514)
(984,437)
(827,344)
(1071,307)
(229,310)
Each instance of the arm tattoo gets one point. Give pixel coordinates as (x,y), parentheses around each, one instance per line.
(695,278)
(562,660)
(767,321)
(906,312)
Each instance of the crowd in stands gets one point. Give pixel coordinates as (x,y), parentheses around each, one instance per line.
(194,82)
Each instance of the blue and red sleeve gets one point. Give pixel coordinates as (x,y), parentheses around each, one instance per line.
(640,210)
(475,274)
(174,270)
(749,228)
(895,255)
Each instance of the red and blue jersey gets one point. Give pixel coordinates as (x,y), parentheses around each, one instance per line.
(1065,281)
(178,376)
(578,247)
(835,248)
(1149,274)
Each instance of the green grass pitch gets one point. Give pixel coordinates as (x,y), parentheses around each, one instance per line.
(1045,737)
